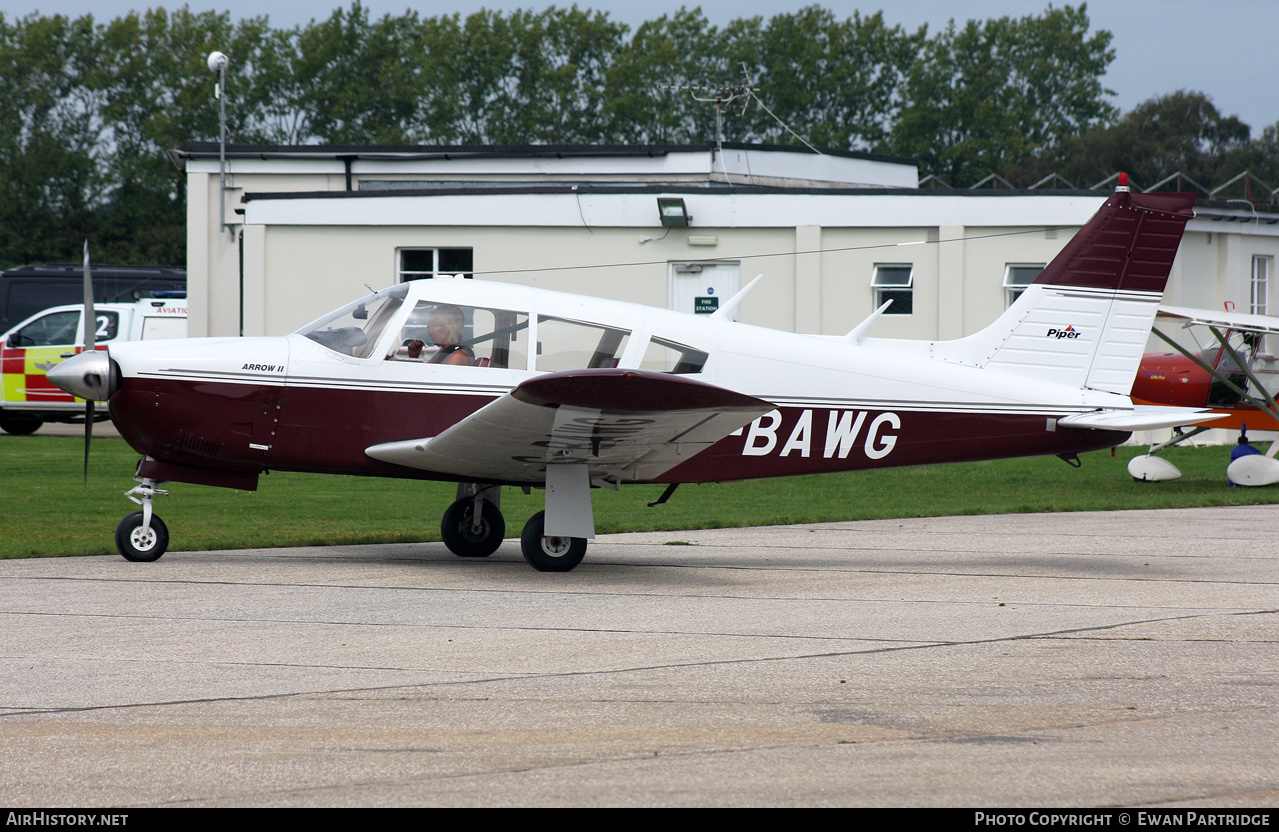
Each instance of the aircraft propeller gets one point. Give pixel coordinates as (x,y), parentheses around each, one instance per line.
(90,344)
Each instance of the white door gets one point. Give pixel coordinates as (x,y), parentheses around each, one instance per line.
(700,288)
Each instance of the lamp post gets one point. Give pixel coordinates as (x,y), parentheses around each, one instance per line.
(218,63)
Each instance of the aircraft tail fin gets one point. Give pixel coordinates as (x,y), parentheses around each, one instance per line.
(1086,319)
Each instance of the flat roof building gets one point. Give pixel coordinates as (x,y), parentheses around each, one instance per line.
(835,234)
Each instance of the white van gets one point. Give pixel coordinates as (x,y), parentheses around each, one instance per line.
(29,350)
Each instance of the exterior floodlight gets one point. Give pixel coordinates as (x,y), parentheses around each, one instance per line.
(218,62)
(672,212)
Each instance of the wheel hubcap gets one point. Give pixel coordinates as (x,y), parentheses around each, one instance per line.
(556,546)
(142,539)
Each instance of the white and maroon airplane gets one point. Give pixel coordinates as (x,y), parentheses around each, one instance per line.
(489,384)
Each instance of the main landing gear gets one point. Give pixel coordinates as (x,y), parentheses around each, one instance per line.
(473,527)
(550,554)
(142,536)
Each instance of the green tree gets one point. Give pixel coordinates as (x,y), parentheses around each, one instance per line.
(653,80)
(535,77)
(353,81)
(991,94)
(159,94)
(1182,132)
(1261,159)
(835,83)
(51,128)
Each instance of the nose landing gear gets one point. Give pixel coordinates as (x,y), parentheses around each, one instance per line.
(142,536)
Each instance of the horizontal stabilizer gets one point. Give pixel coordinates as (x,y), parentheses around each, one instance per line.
(1141,417)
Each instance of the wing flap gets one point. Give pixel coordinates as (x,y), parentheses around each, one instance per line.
(624,425)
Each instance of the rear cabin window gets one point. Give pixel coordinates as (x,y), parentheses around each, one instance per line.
(564,344)
(664,356)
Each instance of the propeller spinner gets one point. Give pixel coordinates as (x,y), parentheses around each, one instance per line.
(91,376)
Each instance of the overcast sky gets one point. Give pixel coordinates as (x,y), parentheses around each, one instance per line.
(1228,49)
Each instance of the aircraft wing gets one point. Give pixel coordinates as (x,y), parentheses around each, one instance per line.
(1141,417)
(1229,320)
(625,425)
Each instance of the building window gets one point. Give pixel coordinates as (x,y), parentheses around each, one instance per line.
(426,263)
(893,281)
(1017,276)
(1259,293)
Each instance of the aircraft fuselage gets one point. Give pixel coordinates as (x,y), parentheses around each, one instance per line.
(241,406)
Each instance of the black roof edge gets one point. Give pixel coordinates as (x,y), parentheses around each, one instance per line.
(507,189)
(99,270)
(337,151)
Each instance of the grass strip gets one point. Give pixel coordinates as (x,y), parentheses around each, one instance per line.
(49,511)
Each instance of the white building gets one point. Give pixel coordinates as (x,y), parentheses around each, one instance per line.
(309,228)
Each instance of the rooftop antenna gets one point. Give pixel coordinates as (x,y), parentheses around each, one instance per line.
(721,96)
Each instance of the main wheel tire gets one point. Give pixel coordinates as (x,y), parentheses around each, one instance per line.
(550,554)
(136,545)
(462,539)
(20,425)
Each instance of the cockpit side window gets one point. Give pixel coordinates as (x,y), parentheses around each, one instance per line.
(664,356)
(563,344)
(354,329)
(444,333)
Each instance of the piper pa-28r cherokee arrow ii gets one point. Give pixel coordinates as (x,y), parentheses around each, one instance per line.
(490,384)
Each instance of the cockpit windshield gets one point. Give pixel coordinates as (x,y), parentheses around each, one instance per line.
(354,329)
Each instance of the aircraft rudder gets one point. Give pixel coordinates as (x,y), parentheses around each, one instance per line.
(1128,245)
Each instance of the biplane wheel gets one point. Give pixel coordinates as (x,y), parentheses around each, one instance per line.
(550,554)
(462,539)
(141,546)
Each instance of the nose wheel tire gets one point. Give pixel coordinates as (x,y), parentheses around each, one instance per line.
(550,554)
(463,537)
(141,545)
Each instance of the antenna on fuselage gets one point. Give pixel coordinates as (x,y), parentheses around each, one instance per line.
(736,300)
(855,334)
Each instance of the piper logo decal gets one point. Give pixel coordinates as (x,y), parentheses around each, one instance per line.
(1068,332)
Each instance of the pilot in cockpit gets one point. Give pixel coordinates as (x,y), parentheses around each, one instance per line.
(444,326)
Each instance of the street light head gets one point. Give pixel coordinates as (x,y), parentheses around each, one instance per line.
(218,62)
